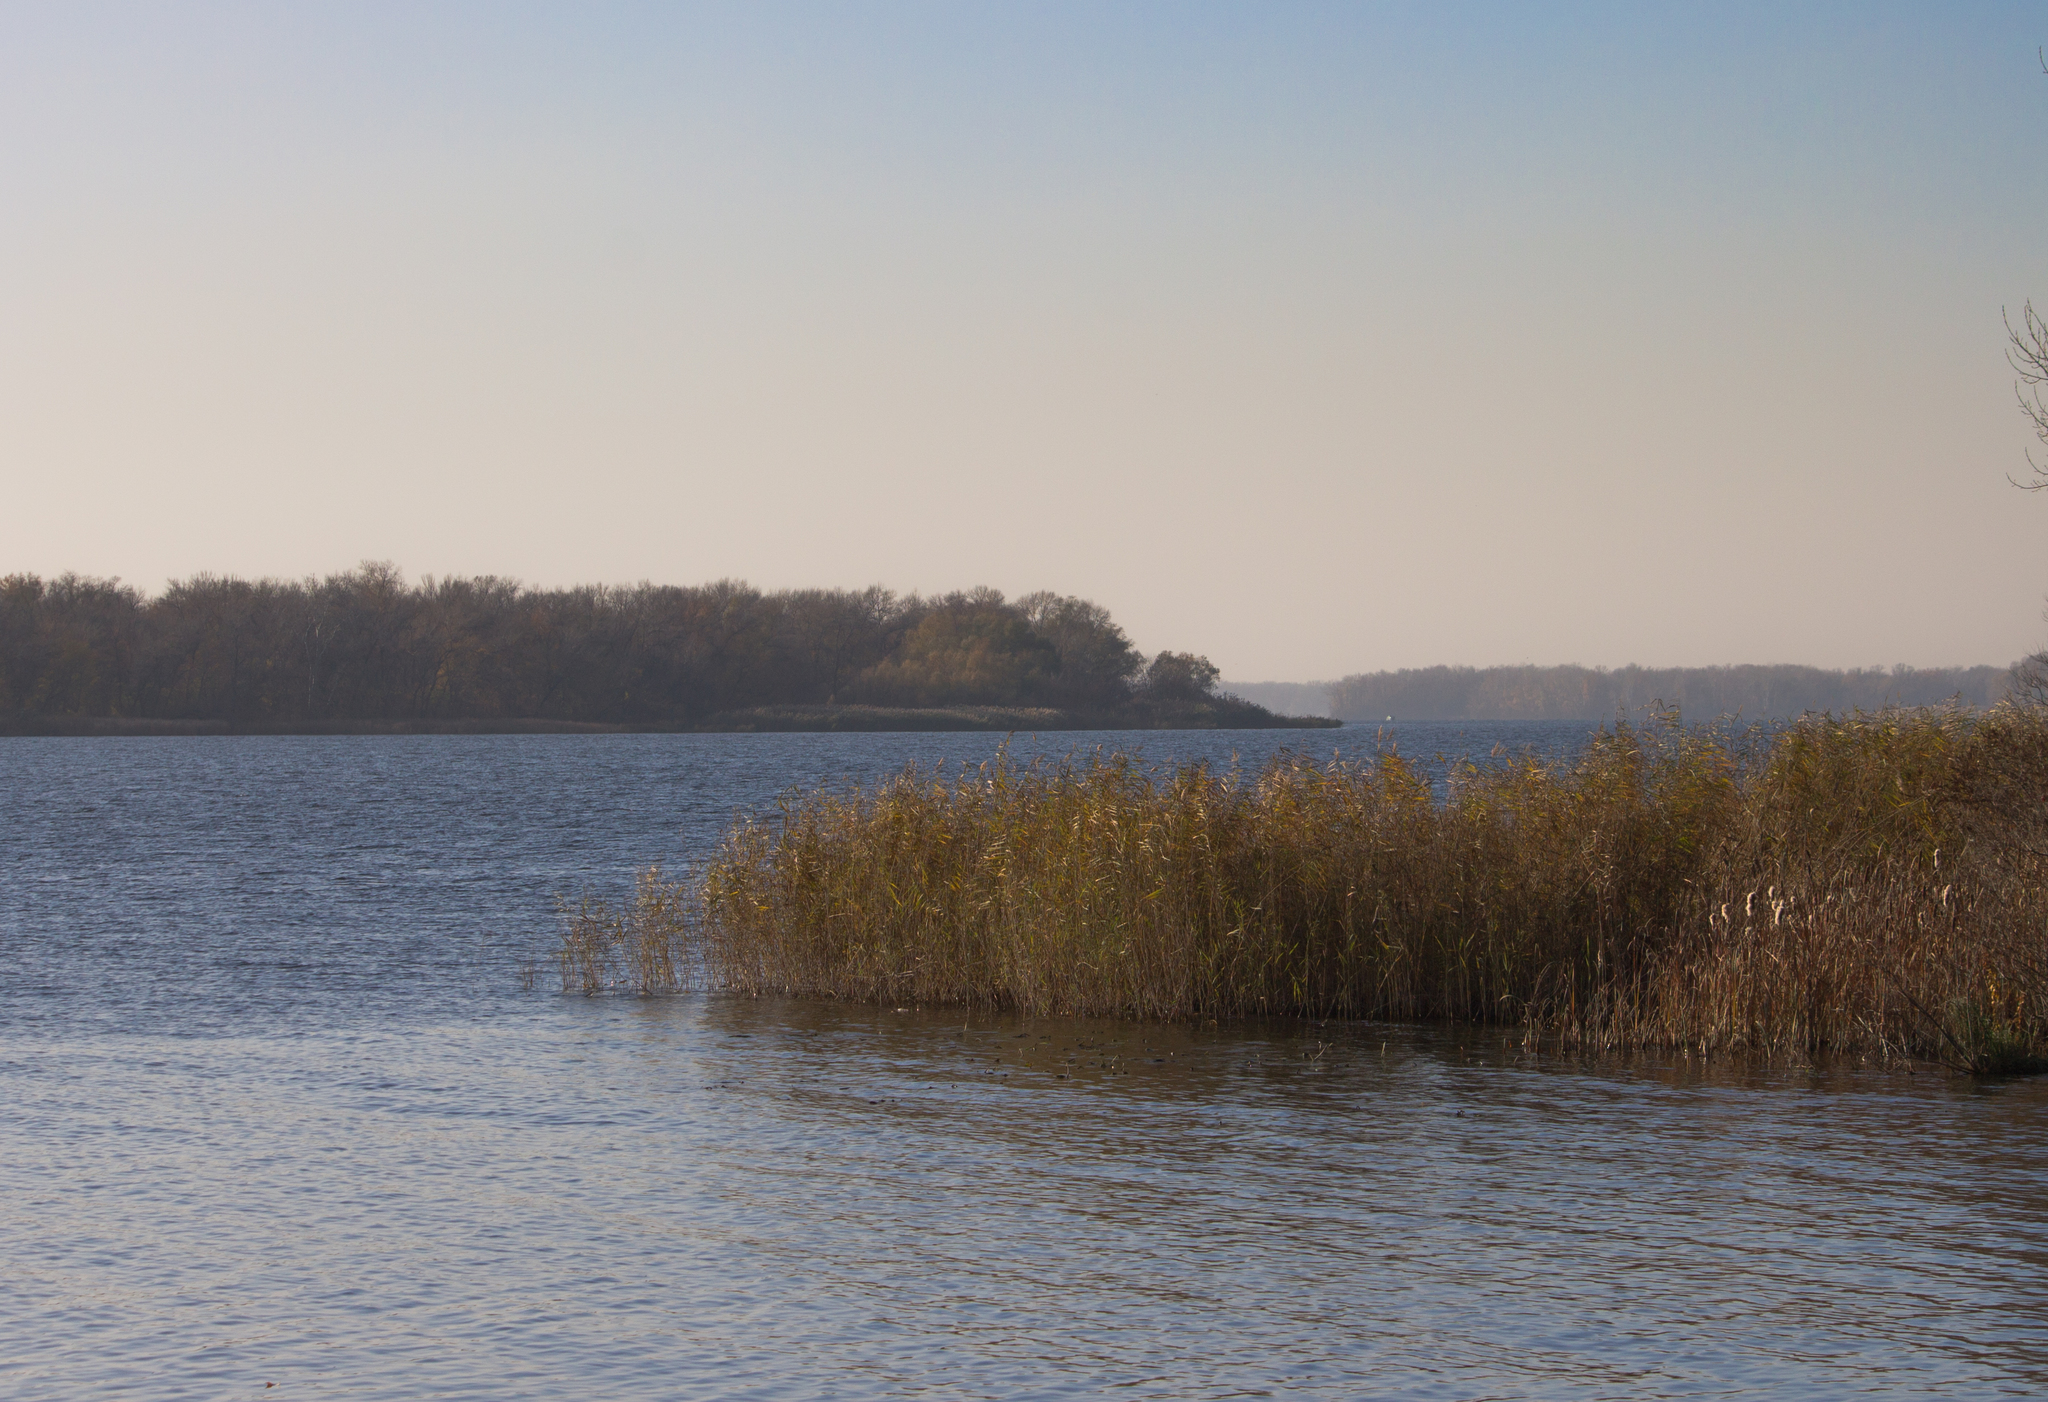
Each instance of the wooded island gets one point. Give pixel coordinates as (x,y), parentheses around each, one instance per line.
(366,651)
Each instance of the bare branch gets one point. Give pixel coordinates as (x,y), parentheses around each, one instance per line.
(2027,353)
(2028,683)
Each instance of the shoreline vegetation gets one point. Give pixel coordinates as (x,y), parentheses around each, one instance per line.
(1760,693)
(364,652)
(1875,885)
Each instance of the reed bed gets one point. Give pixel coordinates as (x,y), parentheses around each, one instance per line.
(1870,884)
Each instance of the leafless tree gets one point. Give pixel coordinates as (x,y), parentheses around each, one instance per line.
(2027,350)
(2029,682)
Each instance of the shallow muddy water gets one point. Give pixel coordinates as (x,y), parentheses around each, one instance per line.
(278,1109)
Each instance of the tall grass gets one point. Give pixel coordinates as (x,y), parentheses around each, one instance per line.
(1870,884)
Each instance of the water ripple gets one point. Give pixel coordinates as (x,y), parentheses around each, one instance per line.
(261,1133)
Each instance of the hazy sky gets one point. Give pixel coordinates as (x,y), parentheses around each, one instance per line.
(1319,339)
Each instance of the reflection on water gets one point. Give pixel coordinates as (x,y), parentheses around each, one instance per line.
(260,1133)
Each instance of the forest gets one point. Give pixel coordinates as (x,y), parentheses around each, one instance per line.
(83,655)
(1596,693)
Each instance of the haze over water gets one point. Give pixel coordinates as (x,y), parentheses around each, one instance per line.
(280,1110)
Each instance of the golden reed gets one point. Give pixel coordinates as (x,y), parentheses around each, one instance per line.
(1876,884)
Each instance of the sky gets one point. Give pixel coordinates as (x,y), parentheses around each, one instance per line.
(1317,339)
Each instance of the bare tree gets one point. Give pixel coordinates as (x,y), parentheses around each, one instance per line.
(2027,351)
(2028,683)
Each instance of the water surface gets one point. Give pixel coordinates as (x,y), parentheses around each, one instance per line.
(280,1111)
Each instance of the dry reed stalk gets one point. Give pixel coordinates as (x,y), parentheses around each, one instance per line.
(642,947)
(1871,884)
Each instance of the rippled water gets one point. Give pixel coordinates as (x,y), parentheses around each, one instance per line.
(278,1110)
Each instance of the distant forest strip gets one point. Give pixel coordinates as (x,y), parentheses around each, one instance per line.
(365,649)
(1595,693)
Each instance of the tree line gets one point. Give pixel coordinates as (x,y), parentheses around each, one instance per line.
(365,643)
(1597,693)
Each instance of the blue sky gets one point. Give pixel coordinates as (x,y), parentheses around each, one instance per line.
(1318,338)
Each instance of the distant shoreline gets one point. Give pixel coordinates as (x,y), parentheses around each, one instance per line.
(1569,692)
(759,720)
